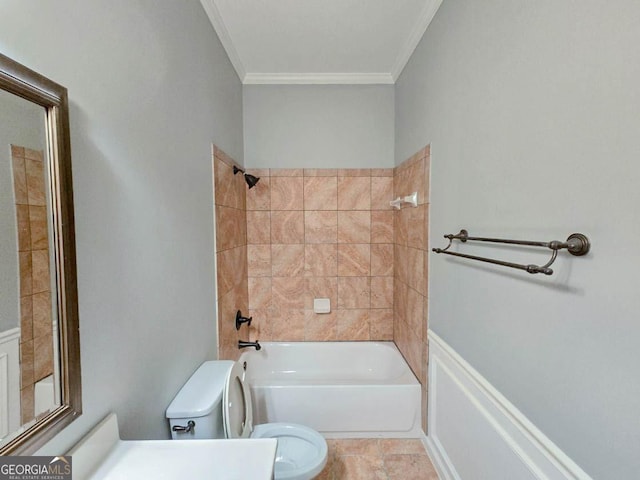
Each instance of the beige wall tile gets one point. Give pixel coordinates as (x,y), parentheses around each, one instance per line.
(288,293)
(354,260)
(382,292)
(26,363)
(354,172)
(320,172)
(320,193)
(259,293)
(26,273)
(26,318)
(41,314)
(382,259)
(21,192)
(321,287)
(35,182)
(27,404)
(381,193)
(353,324)
(38,227)
(416,227)
(415,270)
(287,193)
(261,173)
(288,325)
(232,268)
(382,226)
(415,313)
(286,172)
(259,260)
(381,324)
(231,228)
(354,227)
(320,227)
(261,328)
(24,227)
(258,227)
(382,172)
(354,292)
(401,226)
(259,197)
(321,260)
(42,357)
(224,184)
(287,227)
(17,151)
(320,327)
(287,260)
(354,193)
(400,261)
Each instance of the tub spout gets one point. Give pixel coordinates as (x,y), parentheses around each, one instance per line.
(242,344)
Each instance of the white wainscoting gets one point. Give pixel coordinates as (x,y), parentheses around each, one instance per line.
(9,381)
(475,433)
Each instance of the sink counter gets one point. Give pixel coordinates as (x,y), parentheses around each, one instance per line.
(101,455)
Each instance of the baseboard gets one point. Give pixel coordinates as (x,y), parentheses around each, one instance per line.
(475,432)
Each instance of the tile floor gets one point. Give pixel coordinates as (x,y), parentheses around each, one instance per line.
(377,459)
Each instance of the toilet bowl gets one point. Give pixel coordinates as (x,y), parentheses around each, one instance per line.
(216,403)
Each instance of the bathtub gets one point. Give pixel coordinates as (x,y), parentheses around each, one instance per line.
(341,389)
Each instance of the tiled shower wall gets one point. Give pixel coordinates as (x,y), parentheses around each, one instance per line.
(321,234)
(36,329)
(410,266)
(305,234)
(231,252)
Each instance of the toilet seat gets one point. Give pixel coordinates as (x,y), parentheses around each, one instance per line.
(301,453)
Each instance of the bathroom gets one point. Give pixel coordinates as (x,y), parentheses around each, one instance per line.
(530,112)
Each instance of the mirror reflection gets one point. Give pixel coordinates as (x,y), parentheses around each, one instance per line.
(29,360)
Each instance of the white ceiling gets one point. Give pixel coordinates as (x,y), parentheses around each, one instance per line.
(320,41)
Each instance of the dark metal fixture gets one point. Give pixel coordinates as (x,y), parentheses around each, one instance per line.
(181,429)
(240,320)
(250,179)
(243,344)
(577,244)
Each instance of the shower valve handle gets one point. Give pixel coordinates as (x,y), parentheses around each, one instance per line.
(240,320)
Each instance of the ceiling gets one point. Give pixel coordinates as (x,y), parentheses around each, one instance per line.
(320,41)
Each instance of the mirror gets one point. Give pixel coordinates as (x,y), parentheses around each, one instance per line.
(40,389)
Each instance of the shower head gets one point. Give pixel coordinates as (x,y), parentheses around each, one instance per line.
(250,179)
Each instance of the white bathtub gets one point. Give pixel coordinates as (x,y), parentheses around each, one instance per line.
(341,389)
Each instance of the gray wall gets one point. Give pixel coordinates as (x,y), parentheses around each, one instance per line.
(532,109)
(150,88)
(318,126)
(22,124)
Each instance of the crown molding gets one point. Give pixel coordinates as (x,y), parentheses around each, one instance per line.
(223,34)
(318,79)
(424,20)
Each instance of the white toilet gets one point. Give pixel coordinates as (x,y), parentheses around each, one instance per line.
(216,403)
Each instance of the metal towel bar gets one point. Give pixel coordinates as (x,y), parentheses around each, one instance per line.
(576,244)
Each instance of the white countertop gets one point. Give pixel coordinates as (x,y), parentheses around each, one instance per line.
(189,459)
(101,455)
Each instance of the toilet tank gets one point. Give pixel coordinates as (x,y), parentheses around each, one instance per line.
(200,401)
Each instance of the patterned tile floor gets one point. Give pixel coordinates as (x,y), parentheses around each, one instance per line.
(377,459)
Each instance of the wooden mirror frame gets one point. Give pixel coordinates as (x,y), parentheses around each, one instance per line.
(23,82)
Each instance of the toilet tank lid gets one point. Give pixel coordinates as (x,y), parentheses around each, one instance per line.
(202,392)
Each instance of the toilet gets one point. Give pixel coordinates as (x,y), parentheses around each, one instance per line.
(216,403)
